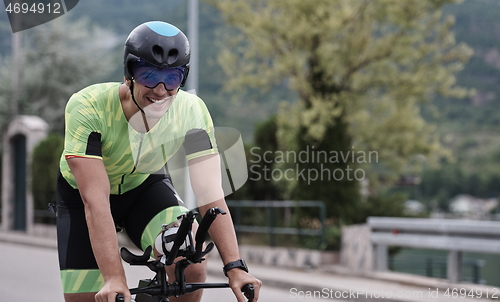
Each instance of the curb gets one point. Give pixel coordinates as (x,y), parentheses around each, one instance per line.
(22,238)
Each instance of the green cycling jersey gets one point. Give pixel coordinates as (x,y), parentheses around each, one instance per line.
(96,127)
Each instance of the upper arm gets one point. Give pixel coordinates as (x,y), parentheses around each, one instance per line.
(91,178)
(199,139)
(206,179)
(82,155)
(82,128)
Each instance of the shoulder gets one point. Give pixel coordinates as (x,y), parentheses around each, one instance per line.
(91,105)
(191,102)
(94,94)
(189,97)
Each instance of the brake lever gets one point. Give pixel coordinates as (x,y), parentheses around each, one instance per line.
(249,292)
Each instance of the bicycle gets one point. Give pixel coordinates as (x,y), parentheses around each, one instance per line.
(159,289)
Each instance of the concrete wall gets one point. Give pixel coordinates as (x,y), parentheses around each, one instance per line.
(357,250)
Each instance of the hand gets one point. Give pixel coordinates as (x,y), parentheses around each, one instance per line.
(111,288)
(239,278)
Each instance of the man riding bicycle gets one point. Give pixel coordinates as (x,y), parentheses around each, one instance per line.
(112,169)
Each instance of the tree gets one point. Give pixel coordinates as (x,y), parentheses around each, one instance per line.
(259,186)
(45,165)
(59,58)
(361,70)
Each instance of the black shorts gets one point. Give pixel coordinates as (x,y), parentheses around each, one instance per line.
(133,211)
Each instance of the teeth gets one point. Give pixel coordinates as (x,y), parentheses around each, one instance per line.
(159,101)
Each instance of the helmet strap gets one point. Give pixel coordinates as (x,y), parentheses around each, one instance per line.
(135,102)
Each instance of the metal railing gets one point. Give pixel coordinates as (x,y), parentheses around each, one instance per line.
(453,236)
(271,227)
(436,266)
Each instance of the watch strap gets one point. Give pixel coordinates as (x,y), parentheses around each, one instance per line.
(240,263)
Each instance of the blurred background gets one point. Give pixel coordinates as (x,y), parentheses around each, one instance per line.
(355,108)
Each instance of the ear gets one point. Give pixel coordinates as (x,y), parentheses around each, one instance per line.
(126,81)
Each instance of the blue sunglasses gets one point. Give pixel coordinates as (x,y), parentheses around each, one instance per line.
(150,75)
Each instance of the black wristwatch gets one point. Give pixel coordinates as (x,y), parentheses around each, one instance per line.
(240,263)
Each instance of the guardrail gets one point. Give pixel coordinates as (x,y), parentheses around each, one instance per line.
(435,267)
(455,236)
(271,228)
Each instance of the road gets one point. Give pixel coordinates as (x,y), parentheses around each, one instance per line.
(29,273)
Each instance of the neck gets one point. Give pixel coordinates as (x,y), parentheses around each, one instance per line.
(136,117)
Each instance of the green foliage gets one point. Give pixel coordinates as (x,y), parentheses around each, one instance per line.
(439,186)
(259,185)
(334,58)
(123,15)
(386,99)
(264,184)
(45,167)
(361,71)
(330,181)
(383,204)
(333,237)
(58,59)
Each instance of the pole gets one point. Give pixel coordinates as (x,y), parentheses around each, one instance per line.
(192,85)
(193,27)
(16,65)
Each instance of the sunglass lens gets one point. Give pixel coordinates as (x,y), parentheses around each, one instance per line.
(151,76)
(173,79)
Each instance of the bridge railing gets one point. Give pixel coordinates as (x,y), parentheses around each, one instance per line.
(454,236)
(271,228)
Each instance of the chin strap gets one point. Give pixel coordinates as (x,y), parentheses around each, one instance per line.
(135,102)
(133,98)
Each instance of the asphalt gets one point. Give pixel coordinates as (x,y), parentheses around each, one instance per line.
(334,282)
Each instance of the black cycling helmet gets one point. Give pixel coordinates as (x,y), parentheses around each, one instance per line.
(160,44)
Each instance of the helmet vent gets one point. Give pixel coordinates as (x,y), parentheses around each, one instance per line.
(158,53)
(173,54)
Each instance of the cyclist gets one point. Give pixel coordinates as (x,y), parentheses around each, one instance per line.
(118,137)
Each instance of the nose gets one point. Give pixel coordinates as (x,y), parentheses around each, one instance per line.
(161,90)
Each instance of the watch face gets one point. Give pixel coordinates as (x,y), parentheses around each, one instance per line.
(244,265)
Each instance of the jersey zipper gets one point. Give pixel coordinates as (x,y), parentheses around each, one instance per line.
(135,164)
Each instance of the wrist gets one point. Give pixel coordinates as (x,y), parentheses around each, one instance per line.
(115,275)
(235,274)
(238,265)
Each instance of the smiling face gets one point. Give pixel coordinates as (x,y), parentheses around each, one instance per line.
(154,101)
(155,87)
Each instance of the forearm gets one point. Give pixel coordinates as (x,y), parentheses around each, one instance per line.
(93,185)
(222,232)
(224,236)
(207,185)
(104,241)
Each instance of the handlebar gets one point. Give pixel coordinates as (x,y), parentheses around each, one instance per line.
(247,290)
(191,255)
